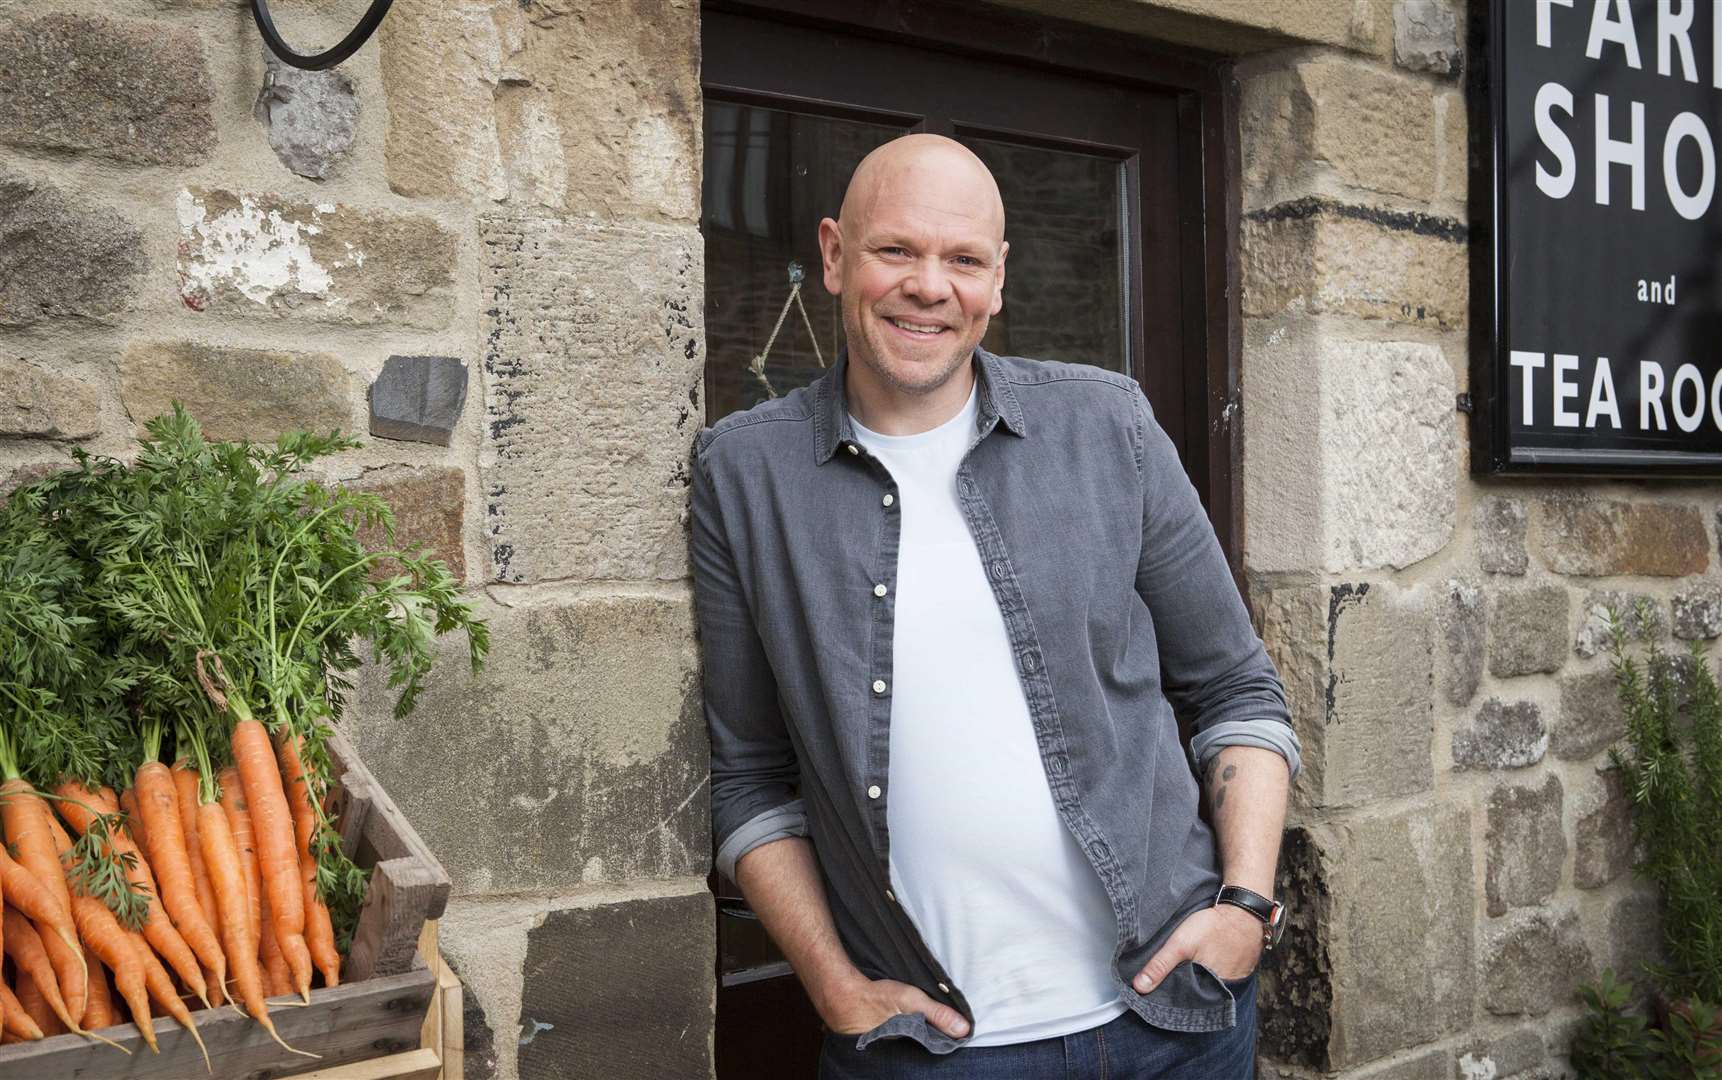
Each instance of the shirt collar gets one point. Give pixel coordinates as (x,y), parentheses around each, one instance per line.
(831,429)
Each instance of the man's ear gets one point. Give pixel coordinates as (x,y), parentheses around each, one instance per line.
(831,255)
(998,279)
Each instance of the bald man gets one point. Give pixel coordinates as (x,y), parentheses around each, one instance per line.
(948,603)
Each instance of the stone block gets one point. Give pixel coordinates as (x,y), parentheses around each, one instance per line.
(40,403)
(1426,36)
(1315,255)
(1591,715)
(1500,530)
(1294,996)
(1634,936)
(132,90)
(589,725)
(1534,961)
(1463,617)
(62,257)
(1294,630)
(1602,839)
(312,117)
(260,254)
(1528,630)
(1593,634)
(620,992)
(1514,1054)
(1433,1065)
(592,115)
(1591,537)
(29,473)
(1453,167)
(1402,889)
(1698,613)
(429,505)
(1526,845)
(418,399)
(593,362)
(1502,736)
(1238,26)
(237,393)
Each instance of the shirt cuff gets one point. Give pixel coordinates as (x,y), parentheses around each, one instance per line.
(1267,734)
(778,823)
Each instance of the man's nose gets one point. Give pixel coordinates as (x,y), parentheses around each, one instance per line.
(928,283)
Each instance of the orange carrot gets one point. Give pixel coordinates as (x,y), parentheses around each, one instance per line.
(277,857)
(99,1012)
(16,1021)
(185,786)
(35,1002)
(25,947)
(319,927)
(158,808)
(161,988)
(35,900)
(30,829)
(79,807)
(277,979)
(238,813)
(135,826)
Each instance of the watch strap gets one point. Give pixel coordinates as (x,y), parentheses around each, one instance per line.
(1253,902)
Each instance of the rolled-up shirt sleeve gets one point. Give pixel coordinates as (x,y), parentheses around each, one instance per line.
(754,770)
(1214,668)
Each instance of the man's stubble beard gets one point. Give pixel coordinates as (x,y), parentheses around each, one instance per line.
(871,351)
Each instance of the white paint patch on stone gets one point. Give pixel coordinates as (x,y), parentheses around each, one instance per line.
(257,253)
(1472,1068)
(658,166)
(486,941)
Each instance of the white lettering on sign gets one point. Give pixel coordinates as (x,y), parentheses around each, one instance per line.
(1559,185)
(1688,126)
(1566,365)
(1689,398)
(1604,28)
(1650,396)
(1611,151)
(1602,396)
(1674,27)
(1526,362)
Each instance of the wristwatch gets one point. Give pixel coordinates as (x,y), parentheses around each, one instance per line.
(1272,913)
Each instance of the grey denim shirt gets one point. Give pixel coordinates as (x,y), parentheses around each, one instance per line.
(1118,604)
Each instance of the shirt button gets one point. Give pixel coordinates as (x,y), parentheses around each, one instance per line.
(879,590)
(944,989)
(889,499)
(873,792)
(853,449)
(878,686)
(1030,662)
(891,896)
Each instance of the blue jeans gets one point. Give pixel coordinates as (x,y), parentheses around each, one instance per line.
(1125,1048)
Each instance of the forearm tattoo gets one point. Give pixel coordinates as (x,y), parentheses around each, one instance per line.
(1216,782)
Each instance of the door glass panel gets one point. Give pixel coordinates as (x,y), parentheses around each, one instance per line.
(1064,277)
(770,176)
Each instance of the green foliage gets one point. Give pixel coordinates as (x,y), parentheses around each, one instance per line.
(1612,1042)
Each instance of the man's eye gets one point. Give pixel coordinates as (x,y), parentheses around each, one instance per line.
(893,251)
(968,260)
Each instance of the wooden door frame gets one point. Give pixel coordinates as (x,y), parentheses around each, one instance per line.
(1208,161)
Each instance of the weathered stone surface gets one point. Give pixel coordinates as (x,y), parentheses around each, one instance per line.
(1638,613)
(1463,617)
(1512,1055)
(28,474)
(1526,845)
(1282,414)
(418,398)
(430,510)
(1426,36)
(237,393)
(621,992)
(589,724)
(1602,840)
(1294,630)
(250,254)
(62,257)
(1402,888)
(1591,537)
(1294,996)
(1453,168)
(1528,630)
(39,403)
(1502,736)
(597,114)
(1434,1065)
(1698,613)
(1634,928)
(1233,26)
(133,90)
(1591,715)
(1533,962)
(1500,523)
(1389,453)
(1367,127)
(593,362)
(312,116)
(1314,255)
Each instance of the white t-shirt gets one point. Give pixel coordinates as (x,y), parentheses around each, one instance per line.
(979,858)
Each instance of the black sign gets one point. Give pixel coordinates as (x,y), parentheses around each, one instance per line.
(1596,296)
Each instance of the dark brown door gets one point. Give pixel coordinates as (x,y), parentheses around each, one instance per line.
(1112,169)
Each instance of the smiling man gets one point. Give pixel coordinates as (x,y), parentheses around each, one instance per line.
(948,603)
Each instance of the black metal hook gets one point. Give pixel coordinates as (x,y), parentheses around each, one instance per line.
(323,60)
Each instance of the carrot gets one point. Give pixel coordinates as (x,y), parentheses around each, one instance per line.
(134,821)
(227,876)
(99,1012)
(79,807)
(16,1021)
(277,978)
(185,786)
(25,947)
(158,807)
(35,1002)
(21,889)
(319,927)
(30,829)
(161,988)
(277,856)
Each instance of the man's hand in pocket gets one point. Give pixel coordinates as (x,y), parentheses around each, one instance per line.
(862,1004)
(1226,940)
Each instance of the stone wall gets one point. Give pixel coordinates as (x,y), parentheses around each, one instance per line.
(510,186)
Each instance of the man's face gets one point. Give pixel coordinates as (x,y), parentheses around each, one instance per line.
(920,270)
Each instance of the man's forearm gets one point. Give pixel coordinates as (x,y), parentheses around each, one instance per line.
(782,886)
(1246,788)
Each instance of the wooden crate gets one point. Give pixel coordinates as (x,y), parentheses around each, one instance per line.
(382,1009)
